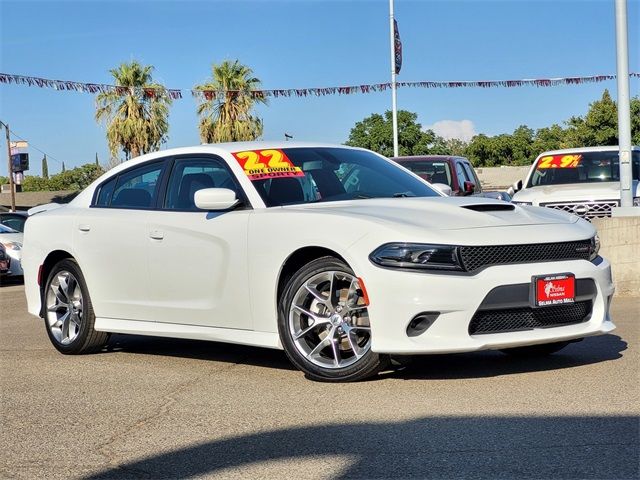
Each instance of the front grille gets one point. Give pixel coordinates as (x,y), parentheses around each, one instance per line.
(586,210)
(528,318)
(475,258)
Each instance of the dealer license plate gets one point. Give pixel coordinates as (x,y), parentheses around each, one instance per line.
(554,289)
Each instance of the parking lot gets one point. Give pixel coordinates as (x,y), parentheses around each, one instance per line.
(161,408)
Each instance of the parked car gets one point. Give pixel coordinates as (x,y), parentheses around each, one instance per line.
(15,220)
(335,254)
(581,181)
(5,261)
(12,242)
(450,174)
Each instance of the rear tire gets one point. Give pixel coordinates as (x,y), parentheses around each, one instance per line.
(324,324)
(68,312)
(536,350)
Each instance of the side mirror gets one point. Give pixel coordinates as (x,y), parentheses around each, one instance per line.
(215,199)
(442,188)
(517,186)
(469,187)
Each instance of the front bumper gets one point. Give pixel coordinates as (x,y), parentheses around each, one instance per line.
(398,296)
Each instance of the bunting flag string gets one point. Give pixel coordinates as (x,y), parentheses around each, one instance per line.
(176,93)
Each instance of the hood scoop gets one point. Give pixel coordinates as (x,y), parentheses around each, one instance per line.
(490,207)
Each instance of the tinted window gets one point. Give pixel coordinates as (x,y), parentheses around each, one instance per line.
(137,187)
(106,193)
(192,174)
(332,174)
(471,174)
(13,221)
(433,172)
(587,167)
(462,176)
(5,229)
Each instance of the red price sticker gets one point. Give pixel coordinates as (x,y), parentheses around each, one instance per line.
(559,161)
(262,164)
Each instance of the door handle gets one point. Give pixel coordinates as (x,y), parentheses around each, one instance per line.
(83,227)
(156,234)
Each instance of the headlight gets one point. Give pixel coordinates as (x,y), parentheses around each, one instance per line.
(13,246)
(636,202)
(417,256)
(595,247)
(516,202)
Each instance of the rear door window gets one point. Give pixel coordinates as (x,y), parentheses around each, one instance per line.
(135,188)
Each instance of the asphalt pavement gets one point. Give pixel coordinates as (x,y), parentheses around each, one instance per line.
(162,408)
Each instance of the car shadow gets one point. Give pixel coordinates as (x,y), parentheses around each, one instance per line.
(427,367)
(11,281)
(199,350)
(486,447)
(494,363)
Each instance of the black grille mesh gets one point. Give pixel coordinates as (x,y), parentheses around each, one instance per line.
(475,258)
(527,318)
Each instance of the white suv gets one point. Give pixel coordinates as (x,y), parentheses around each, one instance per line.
(583,181)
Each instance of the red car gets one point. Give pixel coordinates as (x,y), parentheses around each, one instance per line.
(456,172)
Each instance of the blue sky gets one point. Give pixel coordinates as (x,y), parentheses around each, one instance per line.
(303,44)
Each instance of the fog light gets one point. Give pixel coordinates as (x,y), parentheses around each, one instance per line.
(421,323)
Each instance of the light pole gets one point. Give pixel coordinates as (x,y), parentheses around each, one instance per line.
(10,170)
(624,114)
(394,107)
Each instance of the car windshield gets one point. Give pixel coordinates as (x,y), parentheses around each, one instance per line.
(585,167)
(5,229)
(333,174)
(433,172)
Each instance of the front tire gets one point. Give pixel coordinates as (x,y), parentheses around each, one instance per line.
(68,312)
(324,323)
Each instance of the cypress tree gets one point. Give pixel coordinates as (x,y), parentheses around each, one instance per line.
(45,168)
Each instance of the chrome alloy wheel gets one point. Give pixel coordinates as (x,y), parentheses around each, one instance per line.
(328,320)
(64,307)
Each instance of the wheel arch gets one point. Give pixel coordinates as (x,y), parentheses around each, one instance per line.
(49,262)
(296,260)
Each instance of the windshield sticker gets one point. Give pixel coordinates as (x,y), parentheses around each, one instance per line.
(559,161)
(262,164)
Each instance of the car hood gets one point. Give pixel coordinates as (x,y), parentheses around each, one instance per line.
(440,213)
(573,192)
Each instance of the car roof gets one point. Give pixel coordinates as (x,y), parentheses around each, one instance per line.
(17,213)
(428,158)
(587,150)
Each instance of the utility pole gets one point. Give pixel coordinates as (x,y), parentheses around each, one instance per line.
(10,170)
(624,114)
(394,107)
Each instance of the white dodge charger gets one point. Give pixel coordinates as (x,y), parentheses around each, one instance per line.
(337,255)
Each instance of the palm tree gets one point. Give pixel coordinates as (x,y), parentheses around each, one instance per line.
(137,115)
(226,103)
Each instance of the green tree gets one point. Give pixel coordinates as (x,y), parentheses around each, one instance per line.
(229,97)
(137,116)
(549,138)
(45,168)
(376,133)
(75,179)
(598,127)
(33,183)
(455,147)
